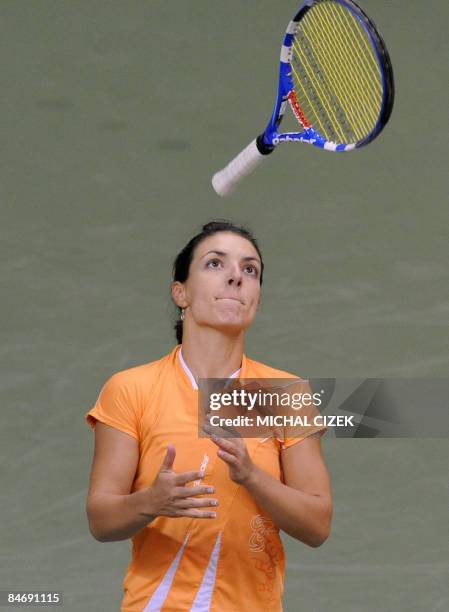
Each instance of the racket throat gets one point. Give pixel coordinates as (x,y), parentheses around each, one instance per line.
(262,146)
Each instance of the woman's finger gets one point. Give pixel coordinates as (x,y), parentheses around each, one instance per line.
(227,445)
(197,513)
(228,457)
(185,477)
(190,502)
(181,492)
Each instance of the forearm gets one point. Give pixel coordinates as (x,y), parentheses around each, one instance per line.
(303,516)
(116,517)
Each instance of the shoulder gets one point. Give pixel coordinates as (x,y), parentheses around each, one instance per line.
(256,369)
(139,378)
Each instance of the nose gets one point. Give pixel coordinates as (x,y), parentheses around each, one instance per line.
(235,277)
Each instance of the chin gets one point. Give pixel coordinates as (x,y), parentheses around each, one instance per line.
(231,324)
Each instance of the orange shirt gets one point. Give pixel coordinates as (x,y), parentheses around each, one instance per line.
(229,563)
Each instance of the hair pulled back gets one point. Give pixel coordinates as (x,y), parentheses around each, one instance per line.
(181,265)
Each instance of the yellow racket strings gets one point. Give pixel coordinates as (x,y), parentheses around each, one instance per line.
(336,73)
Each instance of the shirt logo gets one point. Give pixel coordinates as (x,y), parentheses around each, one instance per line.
(203,466)
(261,526)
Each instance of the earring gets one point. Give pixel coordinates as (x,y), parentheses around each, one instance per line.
(182,316)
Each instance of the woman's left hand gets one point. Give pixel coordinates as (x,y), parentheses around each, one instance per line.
(233,451)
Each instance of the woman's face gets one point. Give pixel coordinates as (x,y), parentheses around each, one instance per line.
(223,287)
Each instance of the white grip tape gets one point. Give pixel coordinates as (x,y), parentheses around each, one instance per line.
(225,181)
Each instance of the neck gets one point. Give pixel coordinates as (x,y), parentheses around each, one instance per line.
(212,354)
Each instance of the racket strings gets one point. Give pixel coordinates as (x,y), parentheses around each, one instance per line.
(365,70)
(344,101)
(336,73)
(315,88)
(349,96)
(344,29)
(347,71)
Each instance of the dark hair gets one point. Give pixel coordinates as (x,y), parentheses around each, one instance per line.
(181,265)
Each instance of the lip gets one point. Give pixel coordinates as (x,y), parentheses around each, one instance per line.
(230,298)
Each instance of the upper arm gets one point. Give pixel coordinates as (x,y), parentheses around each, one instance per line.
(115,461)
(304,468)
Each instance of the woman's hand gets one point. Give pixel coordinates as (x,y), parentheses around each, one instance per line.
(233,451)
(168,495)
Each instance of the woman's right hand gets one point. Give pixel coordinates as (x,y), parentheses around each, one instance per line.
(169,495)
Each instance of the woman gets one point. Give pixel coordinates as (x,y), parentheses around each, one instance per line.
(203,513)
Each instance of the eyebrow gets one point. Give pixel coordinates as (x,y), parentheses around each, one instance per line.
(223,254)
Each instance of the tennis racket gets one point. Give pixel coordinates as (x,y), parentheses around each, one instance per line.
(337,79)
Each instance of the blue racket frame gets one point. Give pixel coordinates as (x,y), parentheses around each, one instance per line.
(225,180)
(270,138)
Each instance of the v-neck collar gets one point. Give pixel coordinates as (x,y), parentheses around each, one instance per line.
(190,375)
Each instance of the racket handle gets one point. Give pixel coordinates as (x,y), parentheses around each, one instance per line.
(225,181)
